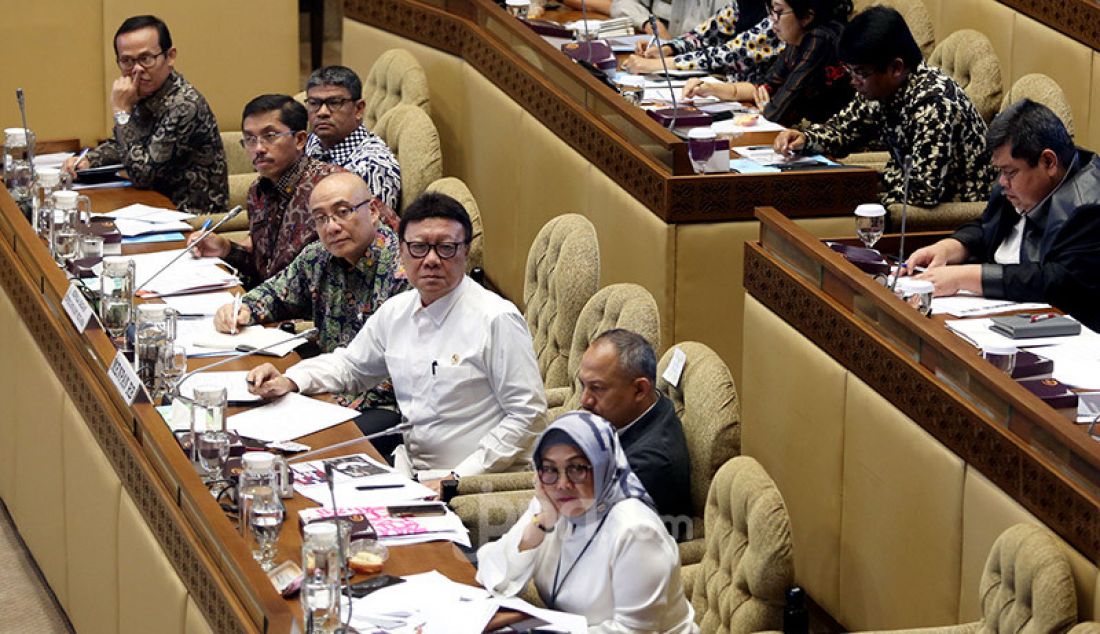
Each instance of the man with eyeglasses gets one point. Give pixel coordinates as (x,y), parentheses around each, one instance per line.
(165,134)
(274,133)
(1039,237)
(460,357)
(338,282)
(918,112)
(334,100)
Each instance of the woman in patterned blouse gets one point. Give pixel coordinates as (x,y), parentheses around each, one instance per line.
(807,81)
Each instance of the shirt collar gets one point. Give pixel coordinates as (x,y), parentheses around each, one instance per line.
(345,148)
(155,102)
(286,183)
(1036,213)
(904,95)
(622,431)
(438,310)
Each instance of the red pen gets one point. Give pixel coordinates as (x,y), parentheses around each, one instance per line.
(1041,317)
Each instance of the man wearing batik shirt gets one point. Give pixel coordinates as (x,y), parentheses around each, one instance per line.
(334,100)
(337,282)
(918,112)
(279,226)
(165,134)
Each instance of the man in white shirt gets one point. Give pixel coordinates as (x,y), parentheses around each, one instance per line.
(461,360)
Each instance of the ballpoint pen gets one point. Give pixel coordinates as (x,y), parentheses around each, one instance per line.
(236,311)
(80,157)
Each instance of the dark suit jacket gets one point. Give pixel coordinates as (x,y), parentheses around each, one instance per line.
(657,452)
(1060,258)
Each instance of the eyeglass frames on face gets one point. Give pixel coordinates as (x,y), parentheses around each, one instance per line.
(332,103)
(267,139)
(145,60)
(340,214)
(575,473)
(777,13)
(445,250)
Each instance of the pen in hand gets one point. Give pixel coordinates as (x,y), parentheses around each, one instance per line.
(236,311)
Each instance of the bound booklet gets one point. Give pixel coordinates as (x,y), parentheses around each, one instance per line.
(1031,326)
(1054,393)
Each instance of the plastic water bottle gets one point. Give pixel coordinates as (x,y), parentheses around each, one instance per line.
(321,572)
(257,476)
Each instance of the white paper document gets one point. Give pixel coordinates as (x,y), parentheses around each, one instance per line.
(1088,406)
(665,96)
(148,213)
(187,274)
(235,383)
(130,228)
(247,338)
(562,621)
(1076,364)
(199,304)
(976,306)
(289,417)
(730,126)
(453,608)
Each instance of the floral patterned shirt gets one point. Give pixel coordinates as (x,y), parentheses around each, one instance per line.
(337,296)
(278,220)
(171,144)
(930,120)
(368,156)
(716,46)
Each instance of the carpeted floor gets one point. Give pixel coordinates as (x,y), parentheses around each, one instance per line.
(29,606)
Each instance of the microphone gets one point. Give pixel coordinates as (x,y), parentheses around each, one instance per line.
(396,429)
(26,132)
(233,213)
(345,572)
(907,167)
(664,66)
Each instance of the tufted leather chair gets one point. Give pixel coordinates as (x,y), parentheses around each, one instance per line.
(412,137)
(706,402)
(1042,89)
(394,78)
(562,273)
(456,189)
(916,17)
(968,57)
(741,584)
(1027,587)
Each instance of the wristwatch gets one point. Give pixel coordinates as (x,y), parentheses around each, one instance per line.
(538,522)
(122,117)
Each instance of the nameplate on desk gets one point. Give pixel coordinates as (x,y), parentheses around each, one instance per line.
(77,308)
(125,379)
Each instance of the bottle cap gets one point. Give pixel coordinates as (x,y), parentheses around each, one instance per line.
(65,199)
(152,311)
(870,210)
(49,176)
(701,134)
(15,136)
(324,532)
(256,460)
(998,348)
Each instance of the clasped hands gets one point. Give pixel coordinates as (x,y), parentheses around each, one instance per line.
(942,266)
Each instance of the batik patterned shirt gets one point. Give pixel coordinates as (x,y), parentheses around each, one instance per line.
(171,145)
(367,155)
(717,47)
(278,220)
(929,120)
(337,296)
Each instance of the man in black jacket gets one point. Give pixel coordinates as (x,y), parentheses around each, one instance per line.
(1039,237)
(618,379)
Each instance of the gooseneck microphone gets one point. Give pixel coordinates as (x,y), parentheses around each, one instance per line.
(664,66)
(345,571)
(233,213)
(906,168)
(26,133)
(396,429)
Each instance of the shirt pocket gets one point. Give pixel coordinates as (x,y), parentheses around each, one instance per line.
(450,387)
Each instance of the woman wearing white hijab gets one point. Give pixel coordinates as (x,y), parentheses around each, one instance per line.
(590,538)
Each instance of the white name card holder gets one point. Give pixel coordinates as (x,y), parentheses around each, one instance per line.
(125,379)
(77,308)
(675,367)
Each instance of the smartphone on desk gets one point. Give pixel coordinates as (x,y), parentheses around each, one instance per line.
(417,510)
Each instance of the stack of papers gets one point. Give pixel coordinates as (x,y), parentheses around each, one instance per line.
(53,160)
(234,382)
(139,219)
(247,338)
(185,275)
(976,306)
(289,417)
(199,304)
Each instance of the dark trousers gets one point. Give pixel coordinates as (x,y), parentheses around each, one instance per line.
(372,421)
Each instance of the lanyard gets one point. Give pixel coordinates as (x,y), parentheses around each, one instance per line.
(555,589)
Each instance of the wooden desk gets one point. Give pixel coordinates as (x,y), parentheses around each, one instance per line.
(201,545)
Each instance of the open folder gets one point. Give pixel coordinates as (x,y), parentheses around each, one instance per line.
(248,338)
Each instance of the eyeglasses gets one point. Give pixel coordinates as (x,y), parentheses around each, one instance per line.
(332,103)
(1007,173)
(267,138)
(777,13)
(576,473)
(145,60)
(341,214)
(859,72)
(445,250)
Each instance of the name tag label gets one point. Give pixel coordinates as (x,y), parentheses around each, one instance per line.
(125,379)
(77,308)
(675,367)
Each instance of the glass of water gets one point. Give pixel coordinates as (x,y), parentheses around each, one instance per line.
(265,518)
(701,146)
(116,304)
(870,223)
(171,365)
(213,449)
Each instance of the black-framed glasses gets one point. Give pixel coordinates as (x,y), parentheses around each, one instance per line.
(340,213)
(1006,173)
(575,473)
(145,60)
(778,13)
(267,138)
(445,250)
(332,103)
(859,72)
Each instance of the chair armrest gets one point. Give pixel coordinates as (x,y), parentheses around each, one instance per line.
(495,482)
(944,216)
(557,396)
(691,552)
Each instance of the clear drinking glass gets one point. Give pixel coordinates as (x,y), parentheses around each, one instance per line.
(91,247)
(518,8)
(870,223)
(1002,356)
(266,521)
(701,146)
(171,365)
(116,304)
(210,405)
(213,449)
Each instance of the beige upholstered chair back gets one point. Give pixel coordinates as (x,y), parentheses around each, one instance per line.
(916,17)
(456,189)
(1027,586)
(394,78)
(236,157)
(412,137)
(625,305)
(968,56)
(747,567)
(1042,89)
(707,404)
(562,273)
(1086,627)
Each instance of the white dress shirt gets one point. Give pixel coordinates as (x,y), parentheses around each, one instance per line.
(627,581)
(464,374)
